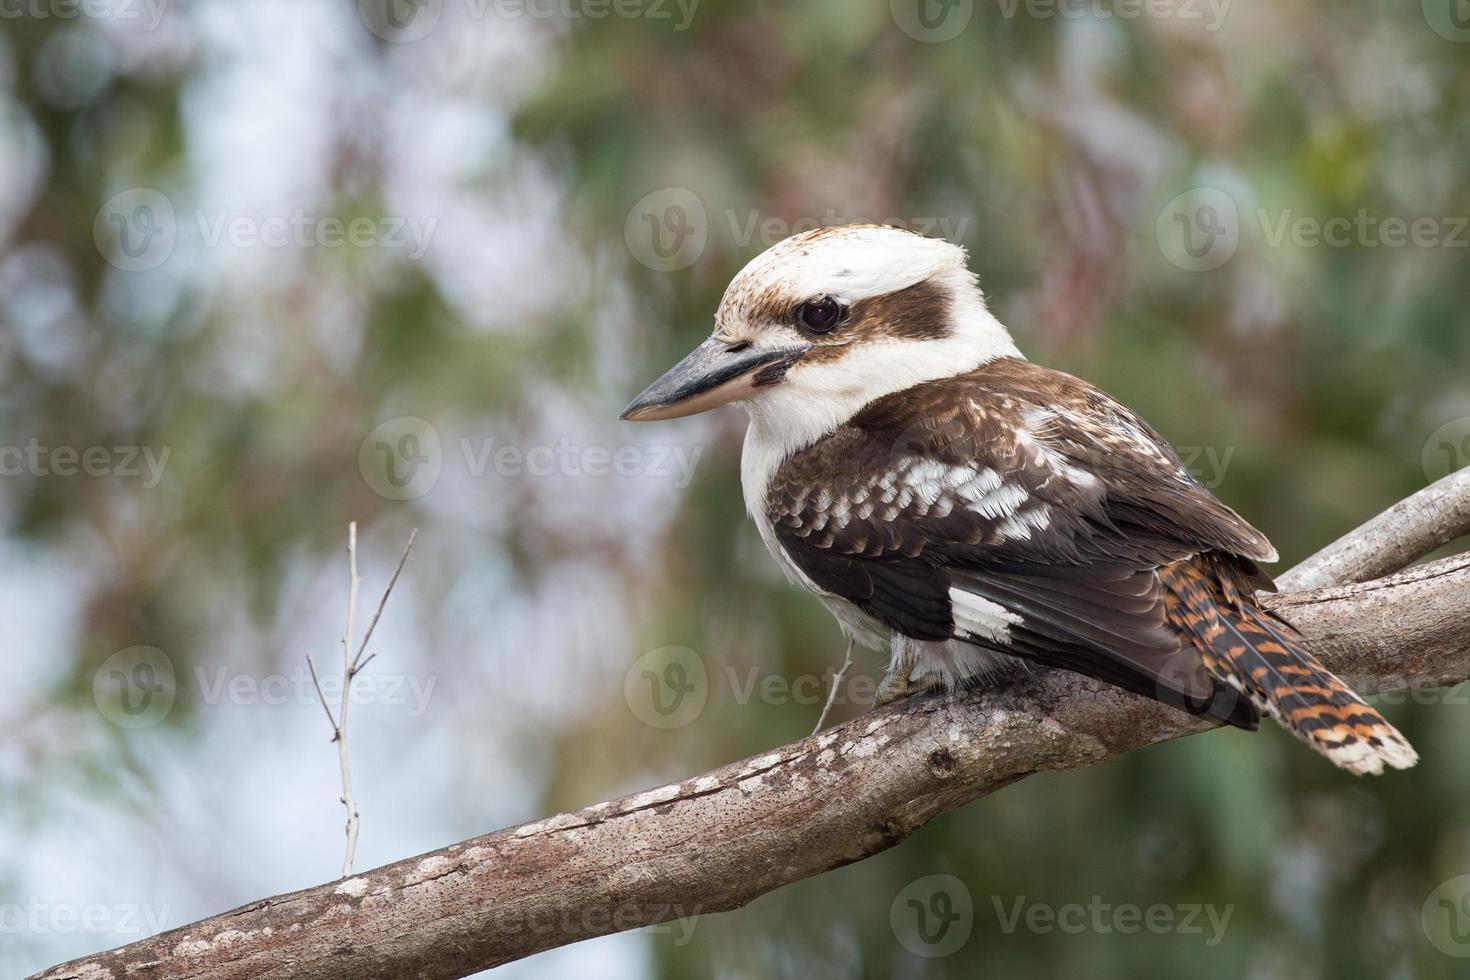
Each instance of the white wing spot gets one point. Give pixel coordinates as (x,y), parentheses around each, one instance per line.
(1001,502)
(980,617)
(1018,527)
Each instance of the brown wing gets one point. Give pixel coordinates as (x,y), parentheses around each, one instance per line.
(1021,487)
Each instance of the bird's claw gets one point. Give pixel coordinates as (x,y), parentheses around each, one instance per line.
(893,687)
(896,686)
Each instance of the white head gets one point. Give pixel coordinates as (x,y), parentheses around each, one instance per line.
(824,323)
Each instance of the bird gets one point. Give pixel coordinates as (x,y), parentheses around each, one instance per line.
(973,513)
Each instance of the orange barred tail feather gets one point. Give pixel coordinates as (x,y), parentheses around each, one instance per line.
(1211,604)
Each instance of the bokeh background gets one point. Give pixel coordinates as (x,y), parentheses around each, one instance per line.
(270,267)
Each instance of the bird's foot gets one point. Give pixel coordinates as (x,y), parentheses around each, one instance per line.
(895,686)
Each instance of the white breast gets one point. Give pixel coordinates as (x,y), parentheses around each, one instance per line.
(758,462)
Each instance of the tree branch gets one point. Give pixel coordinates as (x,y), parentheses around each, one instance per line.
(1401,535)
(717,841)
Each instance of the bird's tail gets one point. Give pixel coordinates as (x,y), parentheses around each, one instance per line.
(1263,659)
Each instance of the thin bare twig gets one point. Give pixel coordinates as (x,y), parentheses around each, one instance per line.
(316,682)
(412,536)
(348,800)
(836,686)
(352,665)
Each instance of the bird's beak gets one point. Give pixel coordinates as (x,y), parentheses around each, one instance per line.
(715,373)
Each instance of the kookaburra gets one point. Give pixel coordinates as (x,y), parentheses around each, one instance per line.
(968,509)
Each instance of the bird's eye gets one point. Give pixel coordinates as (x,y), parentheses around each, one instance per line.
(821,315)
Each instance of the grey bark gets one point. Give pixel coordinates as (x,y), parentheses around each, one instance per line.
(1403,534)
